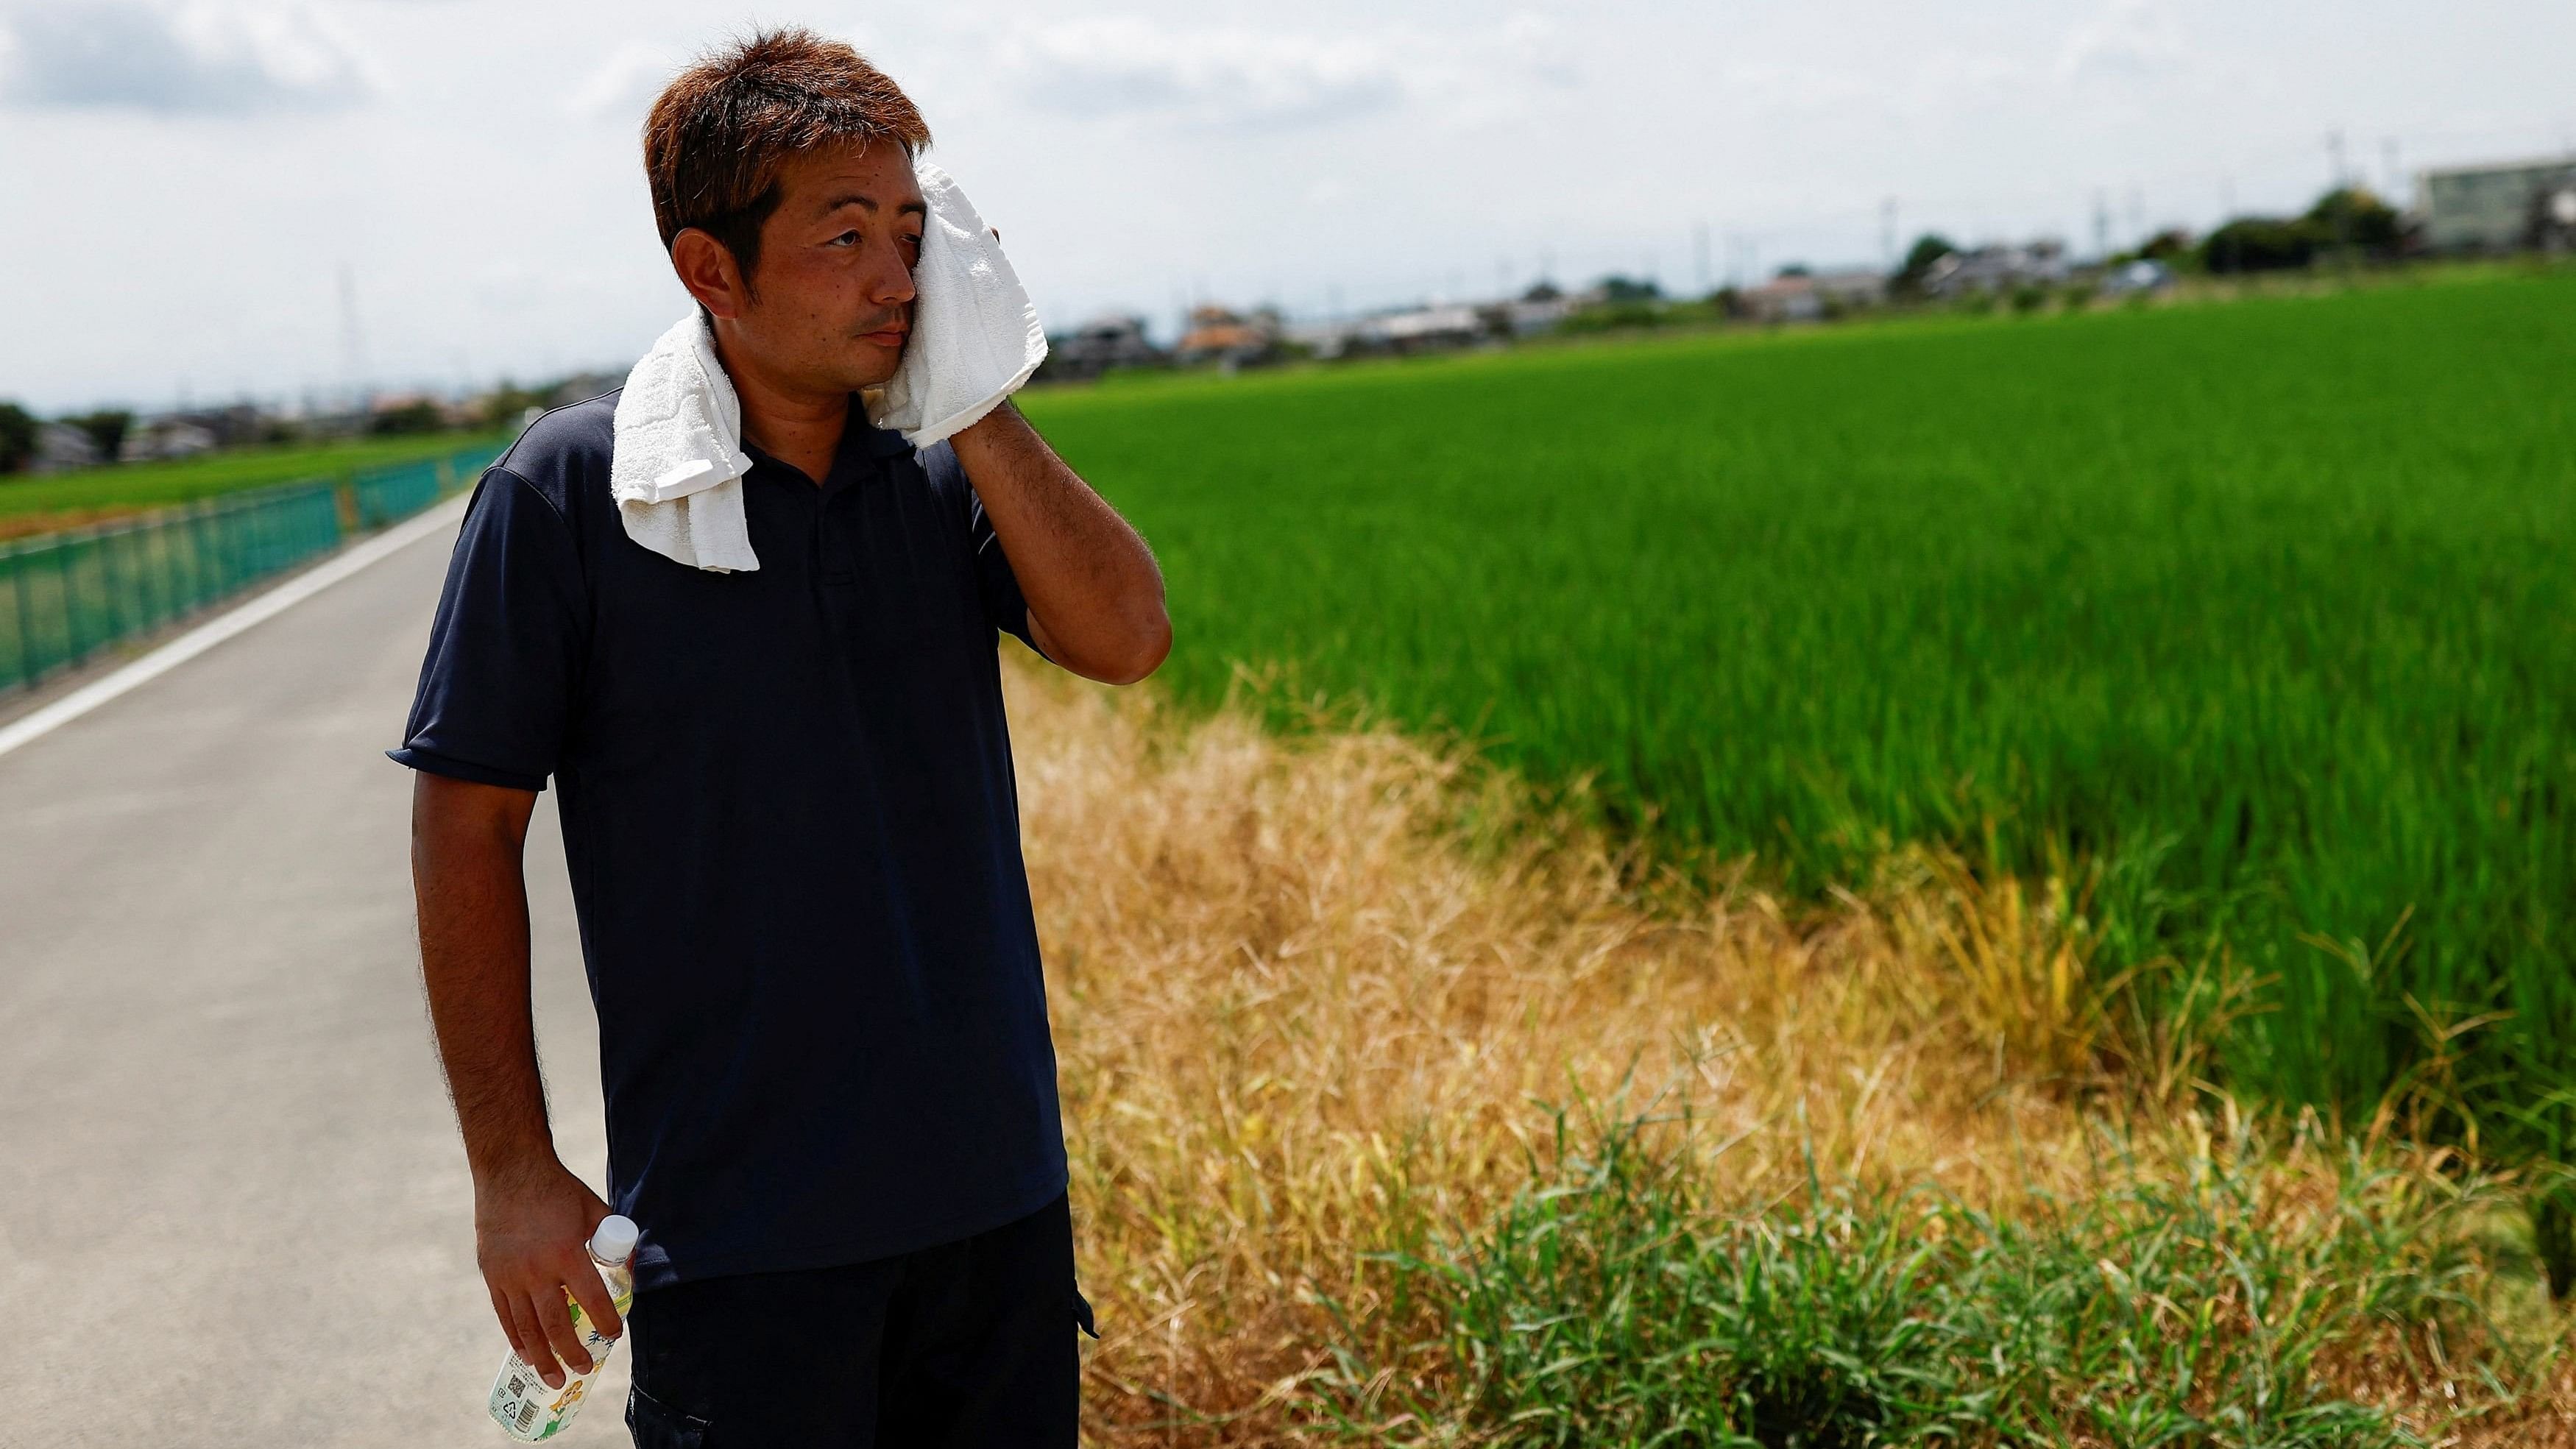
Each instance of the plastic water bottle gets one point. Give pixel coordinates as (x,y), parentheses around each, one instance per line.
(521,1402)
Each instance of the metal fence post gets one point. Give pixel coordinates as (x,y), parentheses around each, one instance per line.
(71,600)
(26,627)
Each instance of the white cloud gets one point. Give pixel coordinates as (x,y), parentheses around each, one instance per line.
(487,219)
(1937,84)
(2129,40)
(192,58)
(1120,65)
(1233,78)
(624,84)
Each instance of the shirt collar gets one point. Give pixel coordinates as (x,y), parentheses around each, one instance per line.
(861,441)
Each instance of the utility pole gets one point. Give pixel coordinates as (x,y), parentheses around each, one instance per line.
(1699,255)
(2226,214)
(2101,226)
(2343,203)
(1887,233)
(353,346)
(2388,169)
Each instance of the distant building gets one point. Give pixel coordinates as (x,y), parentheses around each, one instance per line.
(1101,344)
(1425,329)
(2500,208)
(1323,340)
(171,436)
(2146,274)
(1540,309)
(232,425)
(1997,269)
(61,445)
(1804,297)
(1229,339)
(1432,328)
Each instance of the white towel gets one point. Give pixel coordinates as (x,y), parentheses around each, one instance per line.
(677,465)
(975,334)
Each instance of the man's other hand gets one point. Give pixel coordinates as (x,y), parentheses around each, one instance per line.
(531,1229)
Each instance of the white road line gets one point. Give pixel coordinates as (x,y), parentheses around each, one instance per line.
(225,625)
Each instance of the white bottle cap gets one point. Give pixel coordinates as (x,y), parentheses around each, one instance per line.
(615,1240)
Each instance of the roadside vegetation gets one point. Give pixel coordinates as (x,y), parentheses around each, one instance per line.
(41,502)
(1397,1118)
(1987,882)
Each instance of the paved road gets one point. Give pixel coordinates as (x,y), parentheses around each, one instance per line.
(233,1209)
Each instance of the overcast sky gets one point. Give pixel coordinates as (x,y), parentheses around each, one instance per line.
(185,186)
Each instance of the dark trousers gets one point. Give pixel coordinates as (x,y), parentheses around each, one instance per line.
(963,1345)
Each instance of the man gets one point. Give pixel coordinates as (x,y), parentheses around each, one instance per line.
(792,826)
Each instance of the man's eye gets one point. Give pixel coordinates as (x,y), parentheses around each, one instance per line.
(845,239)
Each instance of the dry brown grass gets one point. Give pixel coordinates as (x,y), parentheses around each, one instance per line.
(1311,994)
(28,525)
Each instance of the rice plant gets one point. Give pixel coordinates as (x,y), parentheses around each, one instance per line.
(2260,615)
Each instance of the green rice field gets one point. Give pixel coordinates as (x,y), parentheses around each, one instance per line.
(131,486)
(2262,617)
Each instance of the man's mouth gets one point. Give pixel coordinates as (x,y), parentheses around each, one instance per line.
(888,336)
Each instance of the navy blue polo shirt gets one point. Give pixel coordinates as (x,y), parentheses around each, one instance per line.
(793,832)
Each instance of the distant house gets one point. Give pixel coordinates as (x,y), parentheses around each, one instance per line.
(61,445)
(232,424)
(1782,299)
(1432,328)
(1997,269)
(1805,297)
(1323,340)
(1541,308)
(1425,329)
(2146,274)
(1101,344)
(170,436)
(2499,208)
(1229,339)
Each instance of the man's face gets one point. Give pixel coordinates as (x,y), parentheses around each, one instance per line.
(833,289)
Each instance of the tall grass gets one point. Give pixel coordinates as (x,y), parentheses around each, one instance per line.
(1312,993)
(2256,619)
(2232,1304)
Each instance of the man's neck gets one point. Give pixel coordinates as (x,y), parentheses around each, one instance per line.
(798,427)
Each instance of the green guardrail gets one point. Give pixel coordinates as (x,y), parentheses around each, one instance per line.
(385,494)
(65,596)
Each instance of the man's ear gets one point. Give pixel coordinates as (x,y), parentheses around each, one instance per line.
(707,268)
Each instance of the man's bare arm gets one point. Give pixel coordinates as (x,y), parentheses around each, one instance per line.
(531,1214)
(1095,595)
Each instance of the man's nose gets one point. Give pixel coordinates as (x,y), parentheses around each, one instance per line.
(892,284)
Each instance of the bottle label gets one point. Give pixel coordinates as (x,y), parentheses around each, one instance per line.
(522,1404)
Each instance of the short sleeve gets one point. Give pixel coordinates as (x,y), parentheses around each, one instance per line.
(1005,607)
(496,688)
(1004,604)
